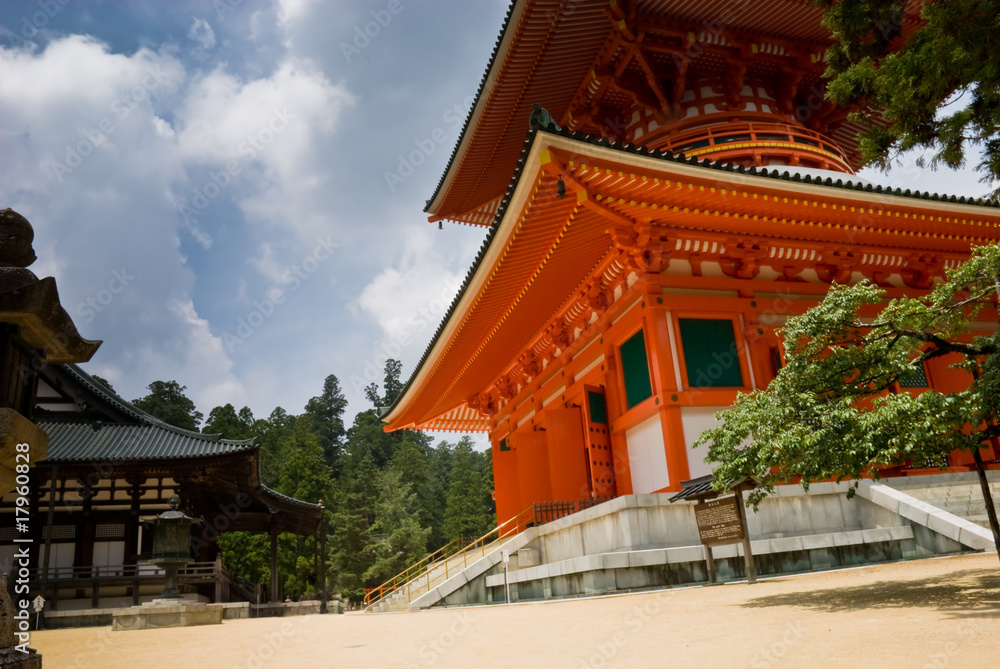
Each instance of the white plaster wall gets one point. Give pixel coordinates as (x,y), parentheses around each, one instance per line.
(694,421)
(647,457)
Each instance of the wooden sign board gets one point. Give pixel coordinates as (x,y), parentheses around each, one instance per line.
(719,521)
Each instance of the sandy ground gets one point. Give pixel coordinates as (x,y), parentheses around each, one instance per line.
(935,614)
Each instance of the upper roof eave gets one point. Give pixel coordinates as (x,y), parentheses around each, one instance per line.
(693,167)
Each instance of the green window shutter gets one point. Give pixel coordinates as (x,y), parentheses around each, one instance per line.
(710,353)
(635,370)
(504,445)
(598,409)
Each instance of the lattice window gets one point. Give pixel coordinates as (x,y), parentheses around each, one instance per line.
(60,532)
(110,531)
(915,377)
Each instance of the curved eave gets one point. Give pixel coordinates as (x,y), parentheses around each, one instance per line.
(445,408)
(543,54)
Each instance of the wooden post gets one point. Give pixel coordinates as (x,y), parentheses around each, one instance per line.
(274,563)
(710,563)
(322,559)
(747,553)
(49,520)
(218,576)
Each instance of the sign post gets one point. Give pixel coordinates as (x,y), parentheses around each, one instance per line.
(747,553)
(39,604)
(720,520)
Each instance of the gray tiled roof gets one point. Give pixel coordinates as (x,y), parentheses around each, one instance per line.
(74,441)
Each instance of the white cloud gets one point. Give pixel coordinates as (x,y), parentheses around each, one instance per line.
(409,301)
(202,33)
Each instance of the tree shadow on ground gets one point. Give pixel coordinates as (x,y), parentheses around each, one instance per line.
(973,593)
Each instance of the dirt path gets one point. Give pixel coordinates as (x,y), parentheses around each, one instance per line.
(935,614)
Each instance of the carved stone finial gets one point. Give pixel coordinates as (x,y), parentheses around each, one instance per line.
(16,236)
(174,502)
(540,118)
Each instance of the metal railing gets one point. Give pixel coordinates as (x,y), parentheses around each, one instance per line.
(448,560)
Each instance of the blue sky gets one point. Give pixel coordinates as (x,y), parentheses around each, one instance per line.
(209,182)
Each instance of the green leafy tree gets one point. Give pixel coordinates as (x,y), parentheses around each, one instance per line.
(391,384)
(466,513)
(327,411)
(166,400)
(901,91)
(227,422)
(353,516)
(398,538)
(104,382)
(835,410)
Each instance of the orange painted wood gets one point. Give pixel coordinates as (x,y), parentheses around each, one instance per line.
(533,474)
(567,451)
(506,487)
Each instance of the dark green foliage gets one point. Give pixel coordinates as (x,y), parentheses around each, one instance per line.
(327,411)
(231,425)
(467,514)
(398,539)
(832,411)
(104,382)
(385,493)
(166,400)
(954,50)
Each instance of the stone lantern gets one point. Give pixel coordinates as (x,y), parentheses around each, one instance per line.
(171,544)
(171,551)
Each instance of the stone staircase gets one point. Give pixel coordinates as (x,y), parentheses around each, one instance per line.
(435,574)
(958,493)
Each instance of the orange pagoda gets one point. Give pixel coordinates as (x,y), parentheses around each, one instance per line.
(683,189)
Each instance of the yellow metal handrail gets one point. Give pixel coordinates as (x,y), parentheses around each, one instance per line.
(443,555)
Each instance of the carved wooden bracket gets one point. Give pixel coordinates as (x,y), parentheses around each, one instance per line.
(743,258)
(837,265)
(921,270)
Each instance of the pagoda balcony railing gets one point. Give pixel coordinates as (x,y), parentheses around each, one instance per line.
(726,140)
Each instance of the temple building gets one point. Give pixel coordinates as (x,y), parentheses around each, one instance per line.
(682,187)
(109,466)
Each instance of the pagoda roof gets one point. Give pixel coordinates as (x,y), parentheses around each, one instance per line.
(550,245)
(544,53)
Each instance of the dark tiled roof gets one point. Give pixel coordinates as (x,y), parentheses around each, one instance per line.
(144,437)
(772,173)
(695,489)
(75,440)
